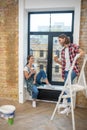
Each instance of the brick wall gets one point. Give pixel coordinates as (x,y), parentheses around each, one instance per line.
(81,100)
(9,49)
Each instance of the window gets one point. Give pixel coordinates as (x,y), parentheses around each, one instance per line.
(39,48)
(39,22)
(56,68)
(51,22)
(43,31)
(41,67)
(60,22)
(41,53)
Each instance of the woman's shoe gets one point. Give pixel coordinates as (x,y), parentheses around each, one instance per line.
(34,104)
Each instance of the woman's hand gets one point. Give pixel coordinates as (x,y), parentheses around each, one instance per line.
(33,71)
(34,82)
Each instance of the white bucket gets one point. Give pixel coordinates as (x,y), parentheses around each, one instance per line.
(7,111)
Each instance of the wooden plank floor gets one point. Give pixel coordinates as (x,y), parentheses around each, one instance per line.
(28,118)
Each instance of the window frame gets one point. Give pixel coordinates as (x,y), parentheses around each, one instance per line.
(46,33)
(50,34)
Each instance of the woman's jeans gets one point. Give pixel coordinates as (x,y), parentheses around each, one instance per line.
(39,76)
(34,92)
(73,76)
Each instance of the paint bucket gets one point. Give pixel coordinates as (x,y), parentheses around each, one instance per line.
(10,120)
(8,112)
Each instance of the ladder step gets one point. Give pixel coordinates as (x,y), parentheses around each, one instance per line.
(66,96)
(64,105)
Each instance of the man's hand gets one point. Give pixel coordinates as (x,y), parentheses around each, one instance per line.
(56,60)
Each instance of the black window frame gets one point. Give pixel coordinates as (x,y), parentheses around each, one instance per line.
(50,34)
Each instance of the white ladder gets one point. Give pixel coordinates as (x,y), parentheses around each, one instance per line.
(73,88)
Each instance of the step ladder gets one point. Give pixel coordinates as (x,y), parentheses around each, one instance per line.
(80,85)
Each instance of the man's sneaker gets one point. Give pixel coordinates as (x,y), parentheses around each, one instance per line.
(66,111)
(64,104)
(34,104)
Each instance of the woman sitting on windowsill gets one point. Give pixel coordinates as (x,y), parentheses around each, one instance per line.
(33,79)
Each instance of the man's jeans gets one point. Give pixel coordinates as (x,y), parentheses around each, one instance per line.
(73,76)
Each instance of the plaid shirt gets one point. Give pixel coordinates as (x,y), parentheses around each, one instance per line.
(73,50)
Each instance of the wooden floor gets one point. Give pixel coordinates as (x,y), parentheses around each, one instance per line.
(28,118)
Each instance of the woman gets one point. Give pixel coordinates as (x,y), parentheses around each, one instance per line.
(33,79)
(68,54)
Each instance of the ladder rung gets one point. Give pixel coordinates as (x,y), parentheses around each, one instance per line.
(66,96)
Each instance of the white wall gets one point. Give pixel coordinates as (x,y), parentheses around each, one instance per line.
(56,5)
(46,4)
(41,5)
(23,34)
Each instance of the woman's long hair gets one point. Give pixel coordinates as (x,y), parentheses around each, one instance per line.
(67,39)
(28,58)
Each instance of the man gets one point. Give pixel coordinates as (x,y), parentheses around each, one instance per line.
(68,54)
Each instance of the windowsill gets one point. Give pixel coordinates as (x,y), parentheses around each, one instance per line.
(52,87)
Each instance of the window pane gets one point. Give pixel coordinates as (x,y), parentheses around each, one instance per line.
(56,22)
(39,22)
(39,49)
(61,22)
(56,68)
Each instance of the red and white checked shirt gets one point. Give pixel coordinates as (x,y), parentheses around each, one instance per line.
(73,50)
